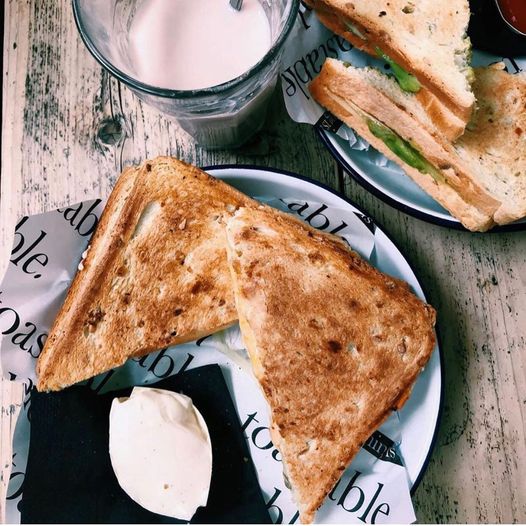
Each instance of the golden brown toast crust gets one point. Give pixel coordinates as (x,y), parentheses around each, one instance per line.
(155,274)
(332,14)
(336,344)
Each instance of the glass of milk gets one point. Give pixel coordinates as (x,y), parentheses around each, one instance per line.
(211,67)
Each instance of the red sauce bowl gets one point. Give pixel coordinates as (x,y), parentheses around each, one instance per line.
(499,26)
(514,14)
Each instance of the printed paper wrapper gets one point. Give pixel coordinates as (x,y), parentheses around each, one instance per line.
(310,43)
(46,254)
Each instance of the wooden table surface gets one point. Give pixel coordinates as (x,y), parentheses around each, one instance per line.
(56,99)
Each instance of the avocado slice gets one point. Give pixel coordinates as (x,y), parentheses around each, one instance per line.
(405,80)
(403,149)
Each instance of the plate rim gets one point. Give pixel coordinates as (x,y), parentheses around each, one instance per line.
(354,172)
(294,175)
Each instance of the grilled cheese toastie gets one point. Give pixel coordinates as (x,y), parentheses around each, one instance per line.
(480,177)
(425,43)
(335,344)
(155,274)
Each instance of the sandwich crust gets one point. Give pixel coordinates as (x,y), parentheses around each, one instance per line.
(155,273)
(336,345)
(427,39)
(444,119)
(450,125)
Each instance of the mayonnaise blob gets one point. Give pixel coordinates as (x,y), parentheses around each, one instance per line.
(160,451)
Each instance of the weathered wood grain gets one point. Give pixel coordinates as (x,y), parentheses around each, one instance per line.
(68,129)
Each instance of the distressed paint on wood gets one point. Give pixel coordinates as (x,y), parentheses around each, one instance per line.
(68,129)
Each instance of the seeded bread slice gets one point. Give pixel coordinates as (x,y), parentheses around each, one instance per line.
(355,94)
(494,144)
(335,344)
(427,38)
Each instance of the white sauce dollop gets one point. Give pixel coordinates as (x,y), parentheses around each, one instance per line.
(161,452)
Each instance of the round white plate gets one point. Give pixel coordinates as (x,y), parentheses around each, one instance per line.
(392,185)
(416,426)
(420,415)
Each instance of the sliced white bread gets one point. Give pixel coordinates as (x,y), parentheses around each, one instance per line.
(356,95)
(427,38)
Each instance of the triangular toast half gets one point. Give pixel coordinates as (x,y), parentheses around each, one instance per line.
(155,274)
(335,344)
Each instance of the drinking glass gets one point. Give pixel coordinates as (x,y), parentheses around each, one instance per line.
(222,116)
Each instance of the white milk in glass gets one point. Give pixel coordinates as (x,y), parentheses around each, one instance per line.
(193,44)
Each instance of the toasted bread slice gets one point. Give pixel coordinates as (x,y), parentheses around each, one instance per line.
(494,144)
(445,121)
(335,344)
(357,95)
(155,273)
(427,39)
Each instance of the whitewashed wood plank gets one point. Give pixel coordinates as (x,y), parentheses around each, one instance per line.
(56,99)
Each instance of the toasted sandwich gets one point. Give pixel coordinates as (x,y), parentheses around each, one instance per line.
(425,43)
(335,344)
(155,274)
(480,177)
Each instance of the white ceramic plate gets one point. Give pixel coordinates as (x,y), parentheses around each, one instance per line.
(420,415)
(392,185)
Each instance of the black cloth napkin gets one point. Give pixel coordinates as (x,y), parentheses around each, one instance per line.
(69,478)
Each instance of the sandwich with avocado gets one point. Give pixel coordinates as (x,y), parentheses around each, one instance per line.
(425,44)
(480,177)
